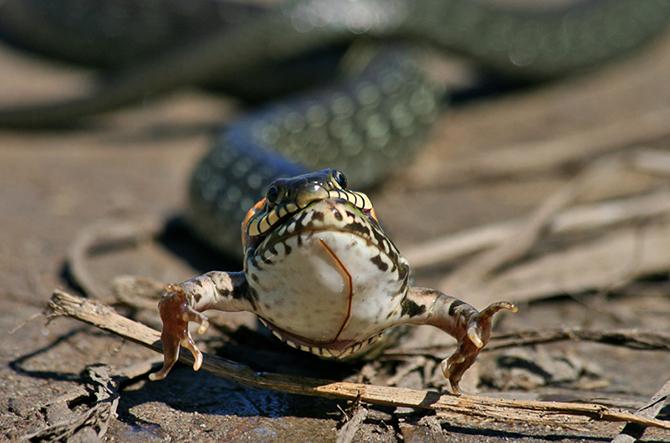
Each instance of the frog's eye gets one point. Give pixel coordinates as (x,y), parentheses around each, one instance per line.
(340,179)
(272,194)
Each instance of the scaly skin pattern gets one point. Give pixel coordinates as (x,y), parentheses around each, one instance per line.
(367,125)
(371,123)
(120,33)
(321,273)
(155,46)
(367,122)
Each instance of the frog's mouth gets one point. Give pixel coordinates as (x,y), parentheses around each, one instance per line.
(336,349)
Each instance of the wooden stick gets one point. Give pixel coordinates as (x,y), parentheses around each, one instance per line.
(542,156)
(580,218)
(598,215)
(469,277)
(348,431)
(632,431)
(547,413)
(639,340)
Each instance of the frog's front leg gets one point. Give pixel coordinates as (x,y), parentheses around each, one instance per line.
(185,302)
(472,329)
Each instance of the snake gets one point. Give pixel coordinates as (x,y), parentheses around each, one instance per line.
(321,274)
(365,114)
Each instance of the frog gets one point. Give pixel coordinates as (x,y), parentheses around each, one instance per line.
(321,273)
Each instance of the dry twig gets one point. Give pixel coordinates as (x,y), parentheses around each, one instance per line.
(102,235)
(629,338)
(348,430)
(533,157)
(594,266)
(526,235)
(633,431)
(547,413)
(593,216)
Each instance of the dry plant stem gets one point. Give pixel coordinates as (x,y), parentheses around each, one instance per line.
(518,244)
(633,431)
(541,156)
(348,431)
(652,161)
(548,413)
(100,235)
(629,338)
(514,238)
(593,216)
(473,276)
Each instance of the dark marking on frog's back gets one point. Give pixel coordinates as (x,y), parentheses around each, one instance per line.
(403,271)
(377,260)
(254,262)
(248,293)
(384,243)
(318,216)
(356,227)
(403,287)
(454,305)
(223,292)
(411,308)
(299,222)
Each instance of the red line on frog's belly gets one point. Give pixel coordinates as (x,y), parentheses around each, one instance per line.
(351,287)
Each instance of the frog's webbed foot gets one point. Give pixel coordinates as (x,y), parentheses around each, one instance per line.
(478,332)
(472,329)
(183,303)
(176,312)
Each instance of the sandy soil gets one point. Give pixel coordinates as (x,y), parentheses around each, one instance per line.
(136,163)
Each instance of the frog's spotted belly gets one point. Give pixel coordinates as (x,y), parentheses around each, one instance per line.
(309,274)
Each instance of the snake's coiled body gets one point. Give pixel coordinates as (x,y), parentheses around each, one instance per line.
(366,124)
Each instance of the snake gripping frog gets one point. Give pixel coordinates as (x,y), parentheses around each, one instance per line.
(321,273)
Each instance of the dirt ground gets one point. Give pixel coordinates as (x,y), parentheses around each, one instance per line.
(135,164)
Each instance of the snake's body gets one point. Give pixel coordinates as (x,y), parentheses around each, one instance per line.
(365,124)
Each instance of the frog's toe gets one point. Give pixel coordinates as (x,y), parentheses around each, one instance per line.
(476,337)
(454,367)
(486,314)
(176,313)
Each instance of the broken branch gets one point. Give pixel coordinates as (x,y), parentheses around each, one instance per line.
(549,413)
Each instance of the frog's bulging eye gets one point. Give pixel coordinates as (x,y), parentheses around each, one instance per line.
(340,179)
(272,195)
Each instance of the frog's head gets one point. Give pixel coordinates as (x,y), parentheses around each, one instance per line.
(288,196)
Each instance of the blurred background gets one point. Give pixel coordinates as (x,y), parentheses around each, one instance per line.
(498,151)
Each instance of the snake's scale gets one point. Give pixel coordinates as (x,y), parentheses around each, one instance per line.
(365,124)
